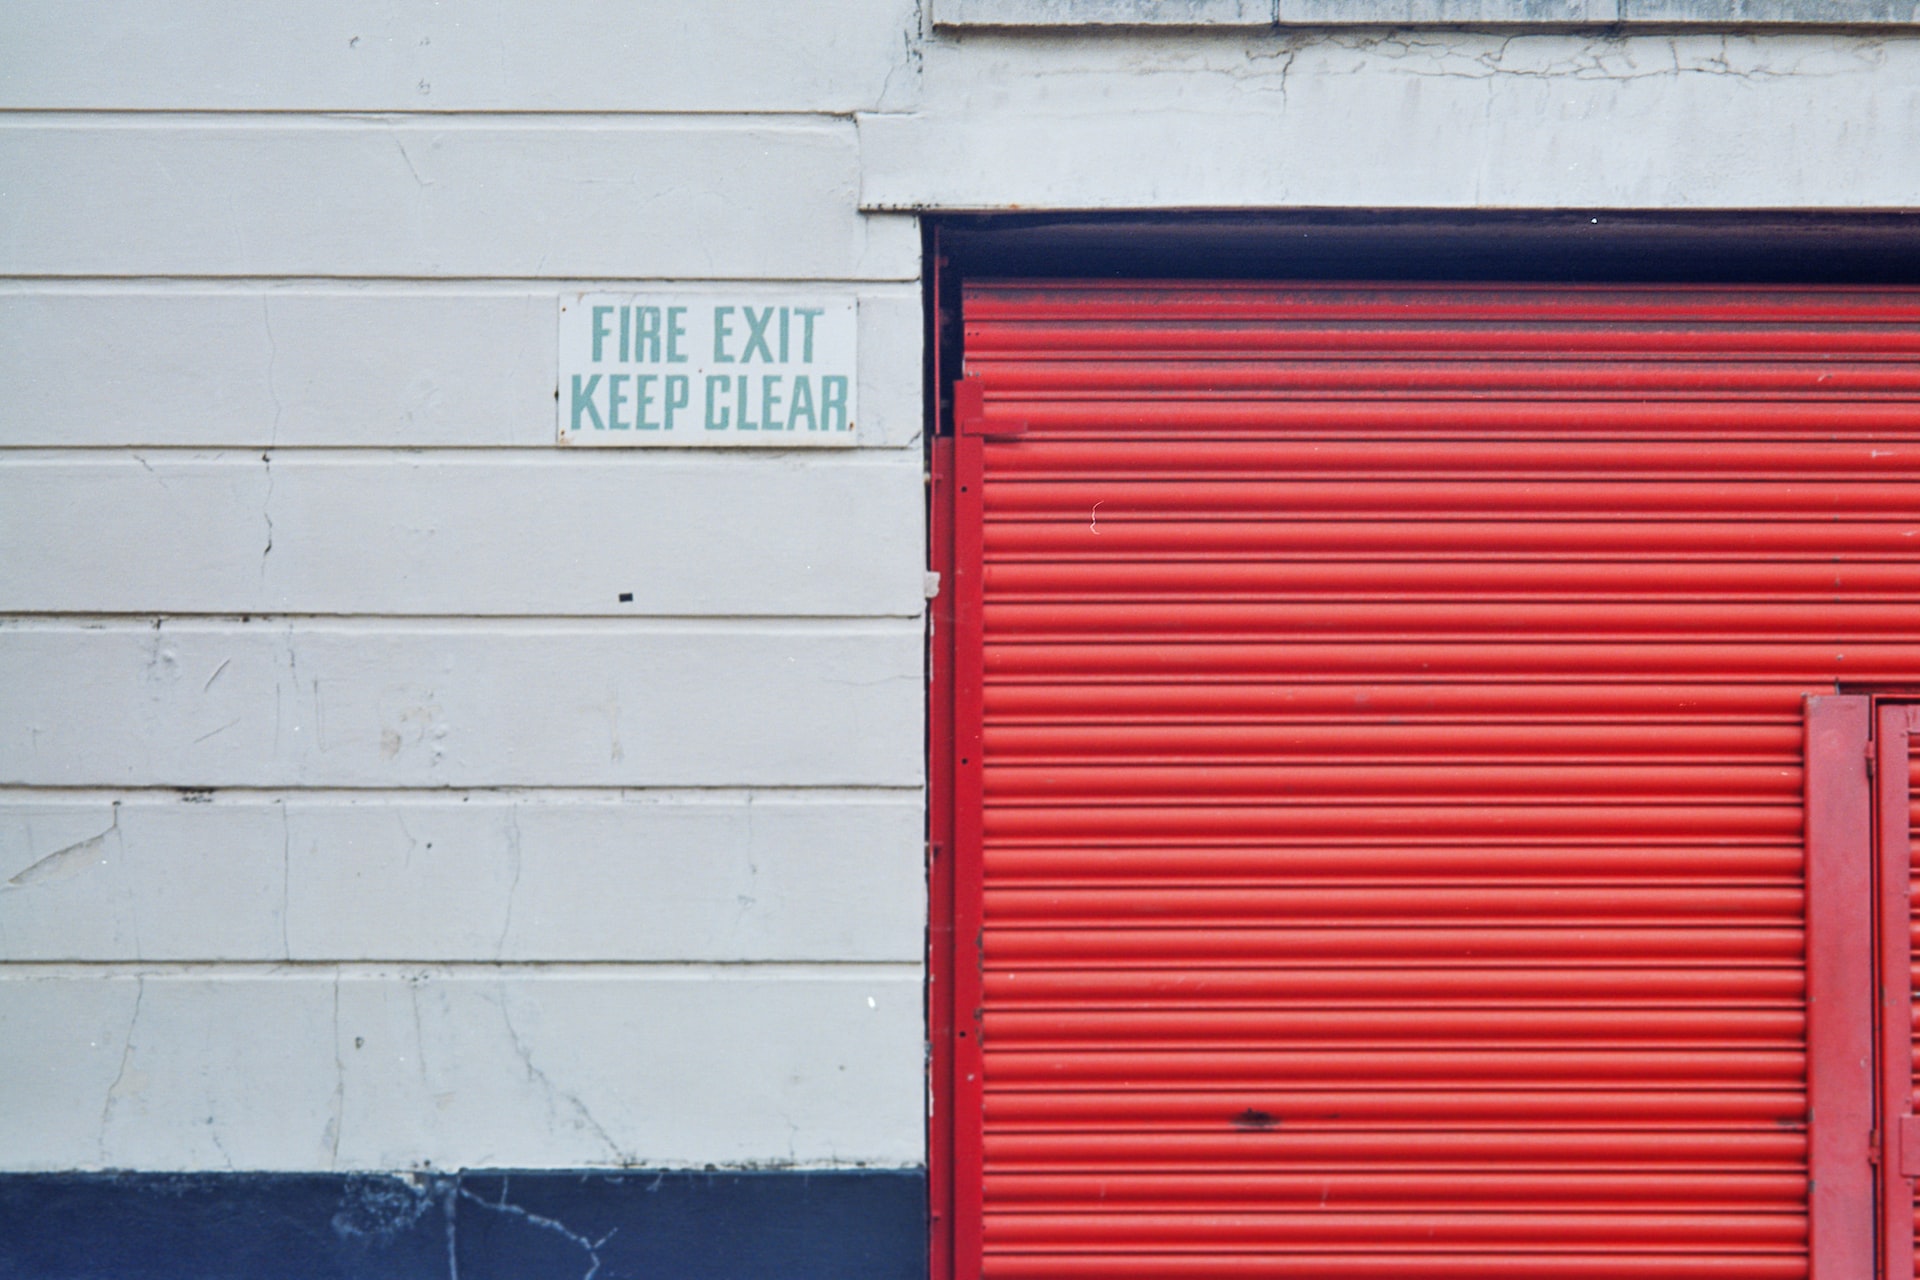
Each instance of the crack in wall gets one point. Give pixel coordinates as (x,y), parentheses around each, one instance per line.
(513,888)
(912,59)
(127,882)
(158,477)
(554,1093)
(748,900)
(414,982)
(213,1133)
(286,881)
(1281,57)
(126,1057)
(337,1121)
(273,357)
(63,863)
(450,1209)
(413,841)
(1607,58)
(503,1205)
(411,167)
(216,732)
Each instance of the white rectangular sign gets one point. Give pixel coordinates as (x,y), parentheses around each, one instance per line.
(672,369)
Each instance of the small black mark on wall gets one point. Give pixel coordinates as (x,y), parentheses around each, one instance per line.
(1253,1120)
(626,597)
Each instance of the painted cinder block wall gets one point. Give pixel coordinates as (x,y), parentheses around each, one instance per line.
(350,822)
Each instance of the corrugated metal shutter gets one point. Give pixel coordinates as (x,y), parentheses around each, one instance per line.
(1379,778)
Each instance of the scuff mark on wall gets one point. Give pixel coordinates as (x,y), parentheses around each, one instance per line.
(380,1209)
(616,750)
(266,514)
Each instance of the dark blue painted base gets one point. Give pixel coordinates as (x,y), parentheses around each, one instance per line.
(471,1226)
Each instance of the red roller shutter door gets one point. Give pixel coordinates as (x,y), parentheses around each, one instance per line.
(1377,778)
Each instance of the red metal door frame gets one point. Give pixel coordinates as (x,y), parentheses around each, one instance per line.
(1840,987)
(955,660)
(1894,1121)
(940,877)
(940,809)
(965,1091)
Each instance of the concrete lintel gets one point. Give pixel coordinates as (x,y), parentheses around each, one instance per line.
(1466,13)
(1783,13)
(1105,13)
(1425,13)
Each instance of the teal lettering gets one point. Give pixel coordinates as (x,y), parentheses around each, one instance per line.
(616,396)
(642,397)
(757,336)
(721,332)
(783,335)
(806,315)
(600,330)
(583,399)
(716,387)
(676,331)
(833,403)
(646,330)
(626,326)
(678,392)
(802,402)
(770,402)
(740,420)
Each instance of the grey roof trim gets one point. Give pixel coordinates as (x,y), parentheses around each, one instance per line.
(1104,13)
(1402,13)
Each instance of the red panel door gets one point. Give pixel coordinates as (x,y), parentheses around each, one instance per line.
(1860,979)
(1377,774)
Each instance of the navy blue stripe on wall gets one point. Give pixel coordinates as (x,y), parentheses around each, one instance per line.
(495,1225)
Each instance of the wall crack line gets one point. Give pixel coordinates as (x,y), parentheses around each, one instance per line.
(554,1093)
(126,1056)
(503,1205)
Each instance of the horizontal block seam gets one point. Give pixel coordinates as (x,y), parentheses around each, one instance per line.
(489,971)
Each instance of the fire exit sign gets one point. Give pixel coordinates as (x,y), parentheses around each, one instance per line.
(765,370)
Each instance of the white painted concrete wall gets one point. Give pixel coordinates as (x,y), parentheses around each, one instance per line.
(348,819)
